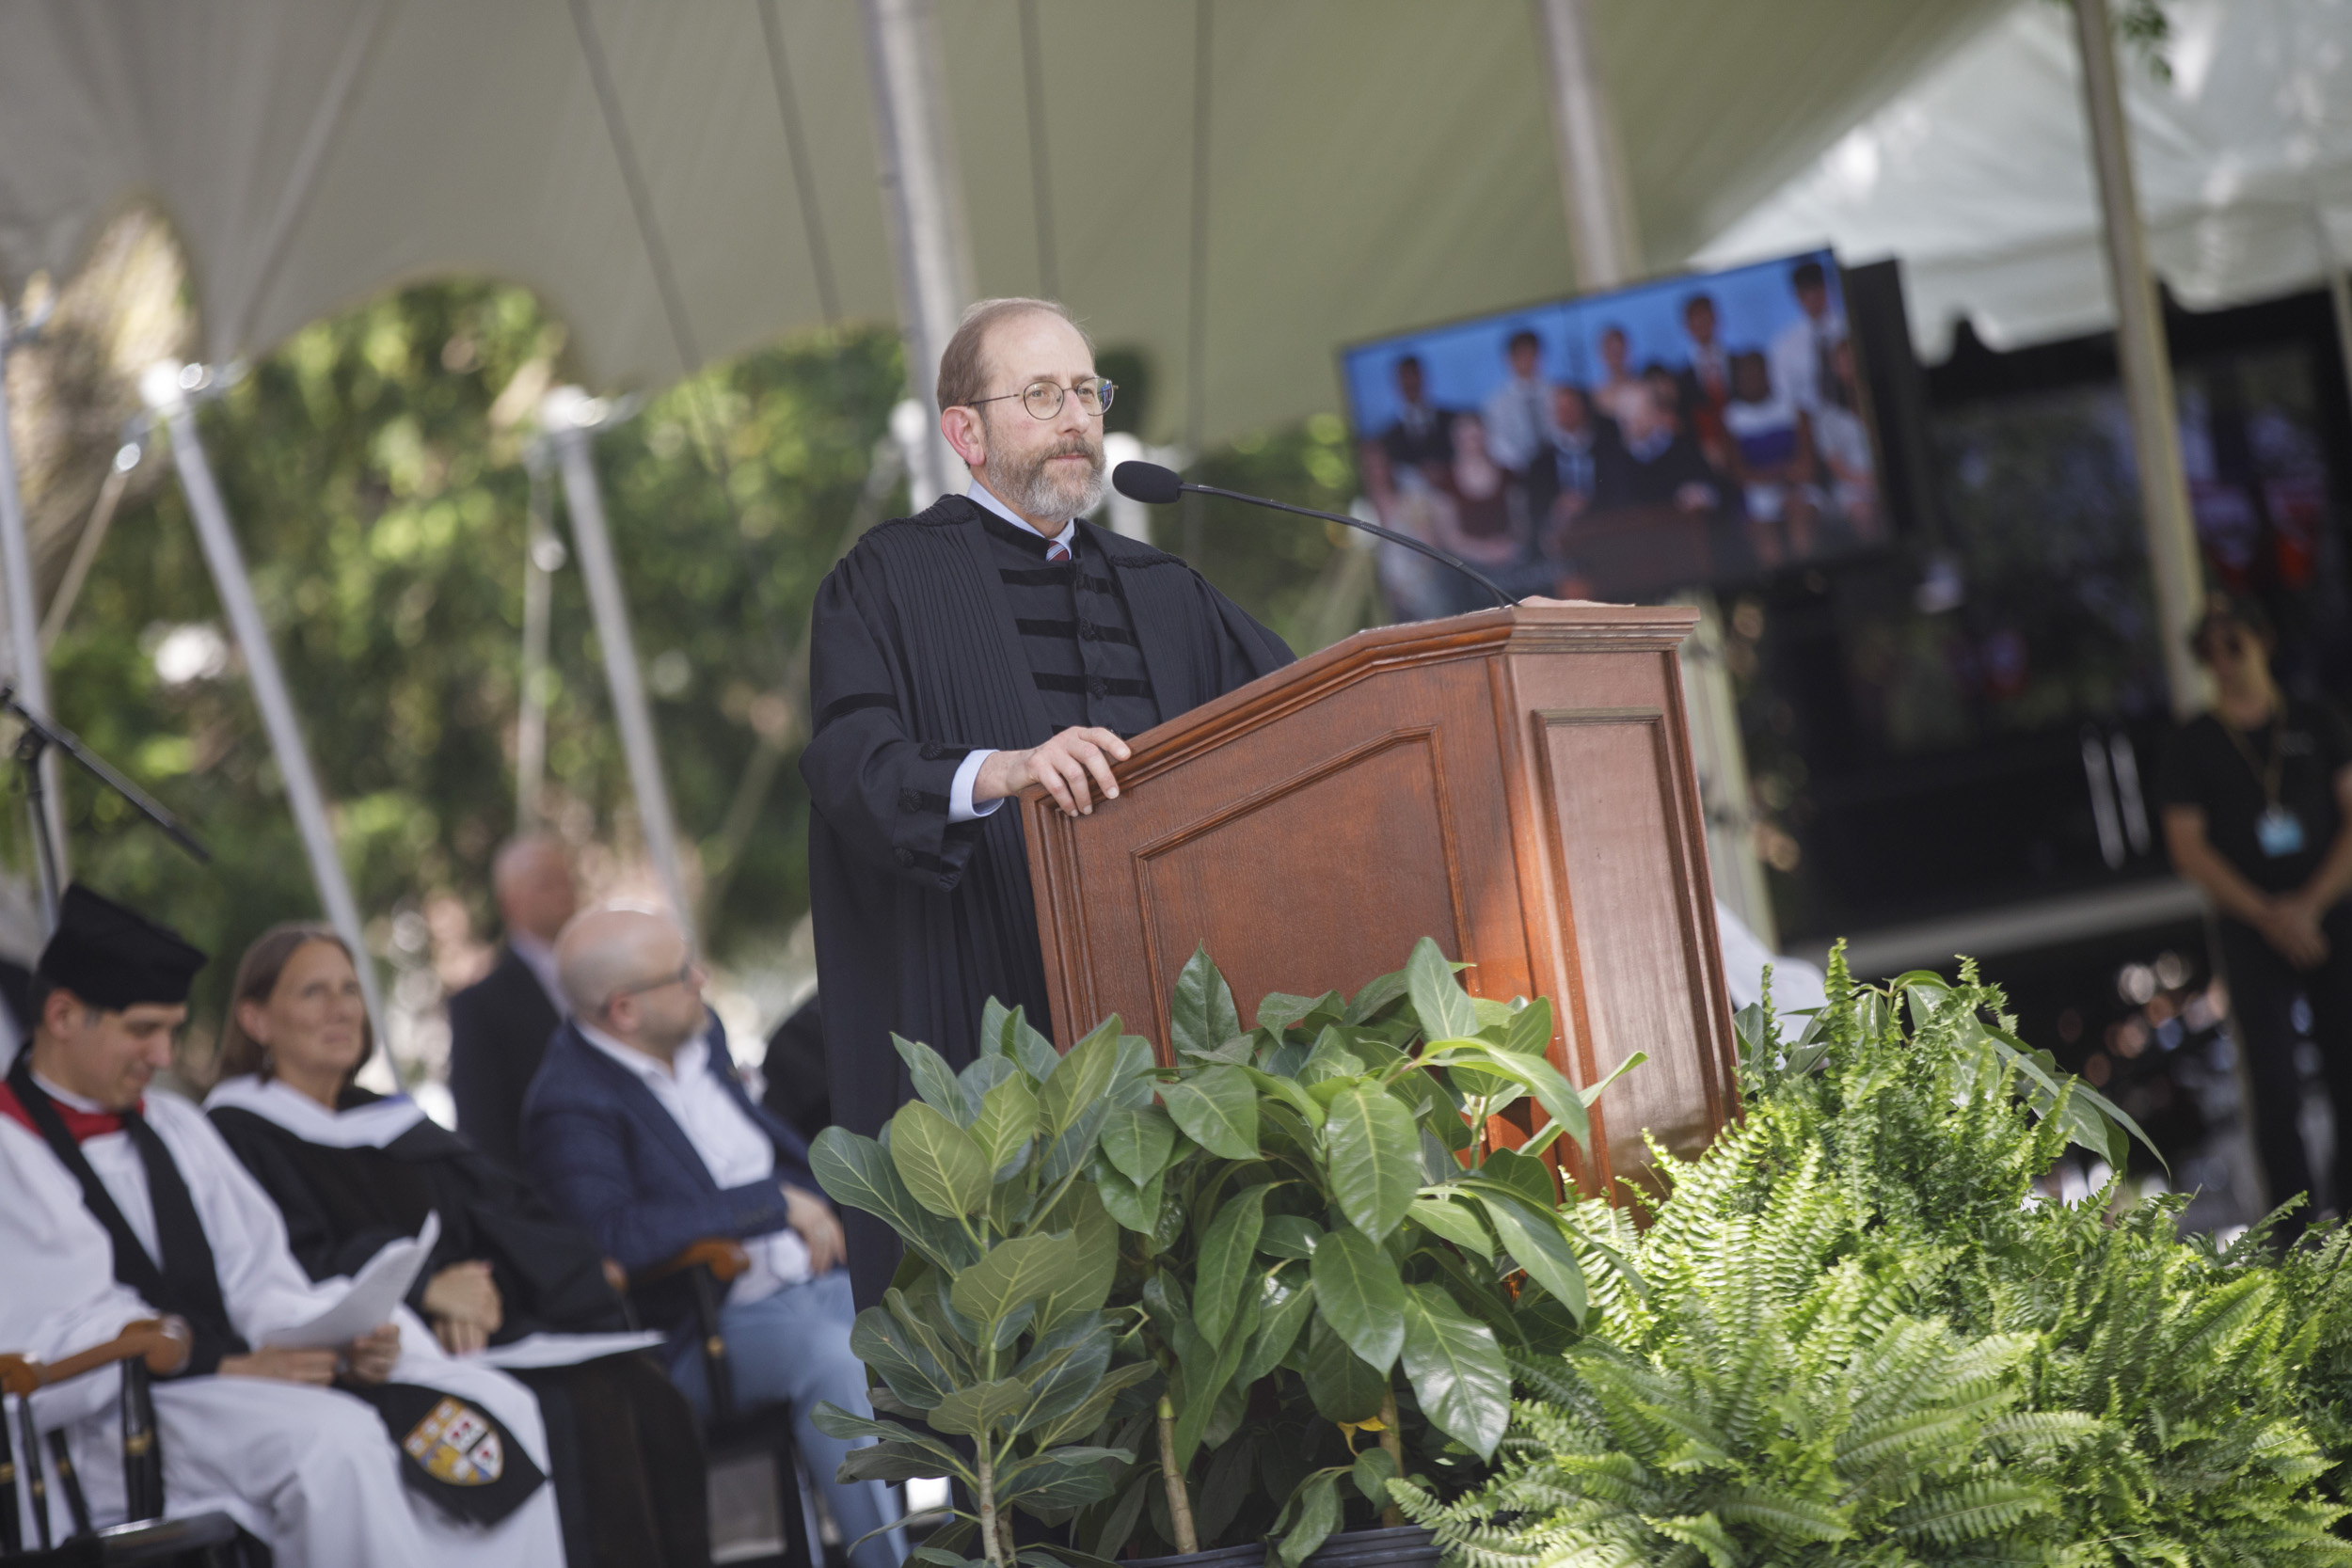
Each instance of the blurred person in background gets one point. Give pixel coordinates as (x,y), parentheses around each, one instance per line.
(1843,442)
(353,1171)
(2257,800)
(1420,442)
(1771,457)
(1704,387)
(639,1131)
(1622,394)
(498,1026)
(1519,412)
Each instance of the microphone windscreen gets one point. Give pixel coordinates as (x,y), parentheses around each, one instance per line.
(1147,482)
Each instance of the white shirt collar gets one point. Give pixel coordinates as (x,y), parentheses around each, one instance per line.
(67,1098)
(979,494)
(690,1058)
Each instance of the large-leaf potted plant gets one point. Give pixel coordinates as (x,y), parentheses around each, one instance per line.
(1268,1234)
(997,1363)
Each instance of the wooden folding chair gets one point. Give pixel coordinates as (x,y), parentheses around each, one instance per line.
(150,1348)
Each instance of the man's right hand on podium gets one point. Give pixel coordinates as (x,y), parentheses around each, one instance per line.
(1063,765)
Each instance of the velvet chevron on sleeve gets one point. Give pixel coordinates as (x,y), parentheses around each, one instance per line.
(917,658)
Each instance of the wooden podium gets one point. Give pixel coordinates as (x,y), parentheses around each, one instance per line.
(1515,784)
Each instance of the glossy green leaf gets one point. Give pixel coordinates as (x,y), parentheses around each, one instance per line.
(1553,1092)
(1529,1031)
(1093,1259)
(934,1080)
(1217,1109)
(1456,1222)
(1076,1145)
(1137,1208)
(938,1161)
(1373,1469)
(902,1361)
(1133,1084)
(979,1408)
(1203,1389)
(1007,1122)
(1343,1388)
(1444,1008)
(1530,1177)
(1280,1009)
(1062,1371)
(1014,1274)
(1318,1515)
(1286,1090)
(1289,1236)
(892,1462)
(1033,1051)
(1359,1294)
(996,1028)
(1081,1080)
(1331,1058)
(1457,1369)
(1139,1141)
(1228,1250)
(1535,1242)
(1097,1406)
(1589,1095)
(1200,1016)
(1373,1157)
(980,1075)
(859,1172)
(1290,1303)
(1378,995)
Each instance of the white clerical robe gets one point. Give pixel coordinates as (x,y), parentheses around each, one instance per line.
(310,1471)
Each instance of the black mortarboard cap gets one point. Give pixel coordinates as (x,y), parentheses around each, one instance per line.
(114,959)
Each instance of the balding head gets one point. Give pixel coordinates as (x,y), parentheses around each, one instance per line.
(532,880)
(628,971)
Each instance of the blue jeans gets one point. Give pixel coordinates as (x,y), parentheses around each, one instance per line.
(794,1347)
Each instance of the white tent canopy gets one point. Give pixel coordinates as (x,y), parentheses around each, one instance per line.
(682,182)
(1979,174)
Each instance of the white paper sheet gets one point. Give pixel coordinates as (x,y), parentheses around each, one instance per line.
(379,1287)
(564,1350)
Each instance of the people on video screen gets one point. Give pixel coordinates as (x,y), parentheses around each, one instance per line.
(1693,445)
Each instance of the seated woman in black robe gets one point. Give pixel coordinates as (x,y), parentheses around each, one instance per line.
(352,1170)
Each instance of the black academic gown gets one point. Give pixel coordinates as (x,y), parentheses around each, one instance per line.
(915,660)
(626,1456)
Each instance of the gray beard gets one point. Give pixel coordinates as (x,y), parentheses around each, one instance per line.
(1036,493)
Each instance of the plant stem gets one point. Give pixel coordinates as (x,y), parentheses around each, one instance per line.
(1179,1499)
(989,1546)
(1393,1441)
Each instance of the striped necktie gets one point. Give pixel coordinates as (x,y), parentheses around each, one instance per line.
(1058,551)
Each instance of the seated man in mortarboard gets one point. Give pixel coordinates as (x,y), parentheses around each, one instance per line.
(137,1210)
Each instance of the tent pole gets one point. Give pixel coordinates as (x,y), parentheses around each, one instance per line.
(165,386)
(543,553)
(2147,370)
(1605,244)
(572,430)
(1602,236)
(16,567)
(923,200)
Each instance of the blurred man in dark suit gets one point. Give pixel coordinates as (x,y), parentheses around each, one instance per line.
(1422,440)
(498,1026)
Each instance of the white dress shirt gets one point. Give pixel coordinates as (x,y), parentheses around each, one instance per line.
(539,958)
(733,1149)
(1518,422)
(960,806)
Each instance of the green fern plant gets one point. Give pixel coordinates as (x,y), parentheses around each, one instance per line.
(1868,1337)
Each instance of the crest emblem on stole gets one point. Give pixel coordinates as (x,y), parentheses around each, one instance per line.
(458,1445)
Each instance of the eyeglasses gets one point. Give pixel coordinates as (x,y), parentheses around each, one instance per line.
(681,977)
(1044,399)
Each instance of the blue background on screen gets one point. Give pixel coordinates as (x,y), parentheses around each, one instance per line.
(1465,362)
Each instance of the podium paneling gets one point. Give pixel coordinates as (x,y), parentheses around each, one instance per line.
(1515,784)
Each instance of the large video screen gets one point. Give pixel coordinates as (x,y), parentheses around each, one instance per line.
(1696,430)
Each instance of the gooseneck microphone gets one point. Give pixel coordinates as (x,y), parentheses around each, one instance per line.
(1153,486)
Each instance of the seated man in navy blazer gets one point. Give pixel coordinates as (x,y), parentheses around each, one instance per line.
(637,1128)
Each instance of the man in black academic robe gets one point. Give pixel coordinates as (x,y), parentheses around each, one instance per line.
(958,656)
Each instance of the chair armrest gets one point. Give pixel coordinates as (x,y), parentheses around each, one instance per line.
(723,1256)
(163,1343)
